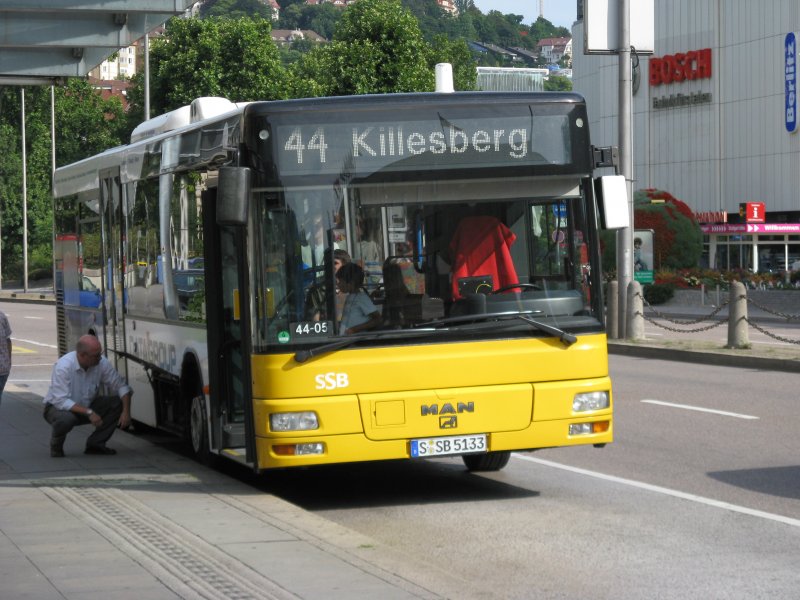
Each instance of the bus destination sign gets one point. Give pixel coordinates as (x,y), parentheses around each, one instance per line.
(366,148)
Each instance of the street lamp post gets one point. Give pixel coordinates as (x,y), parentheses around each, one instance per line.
(24,202)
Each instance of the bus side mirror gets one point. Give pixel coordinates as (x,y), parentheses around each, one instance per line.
(233,195)
(612,200)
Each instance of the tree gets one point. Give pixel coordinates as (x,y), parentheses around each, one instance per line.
(557,83)
(462,6)
(85,125)
(232,58)
(677,239)
(319,18)
(457,53)
(378,47)
(235,9)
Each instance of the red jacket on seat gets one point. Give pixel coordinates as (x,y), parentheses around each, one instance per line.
(481,246)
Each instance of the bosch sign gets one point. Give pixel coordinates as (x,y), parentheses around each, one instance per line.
(683,66)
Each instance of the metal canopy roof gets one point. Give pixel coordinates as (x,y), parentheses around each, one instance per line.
(41,41)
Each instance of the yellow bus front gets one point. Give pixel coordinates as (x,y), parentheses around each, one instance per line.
(423,401)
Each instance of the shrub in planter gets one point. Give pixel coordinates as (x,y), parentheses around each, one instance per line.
(658,293)
(677,236)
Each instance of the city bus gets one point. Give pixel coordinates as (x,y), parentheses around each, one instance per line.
(469,226)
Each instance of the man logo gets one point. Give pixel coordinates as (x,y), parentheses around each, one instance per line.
(448,422)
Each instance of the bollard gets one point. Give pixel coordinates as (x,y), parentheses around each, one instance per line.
(635,328)
(737,316)
(612,311)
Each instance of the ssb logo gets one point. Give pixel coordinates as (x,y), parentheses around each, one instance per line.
(331,381)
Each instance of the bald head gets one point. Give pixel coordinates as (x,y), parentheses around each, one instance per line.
(88,343)
(89,351)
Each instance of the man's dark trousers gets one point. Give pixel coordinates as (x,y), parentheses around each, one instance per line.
(108,407)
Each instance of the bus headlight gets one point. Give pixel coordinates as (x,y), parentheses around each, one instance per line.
(587,401)
(294,421)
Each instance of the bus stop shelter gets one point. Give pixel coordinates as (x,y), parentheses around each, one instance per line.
(43,42)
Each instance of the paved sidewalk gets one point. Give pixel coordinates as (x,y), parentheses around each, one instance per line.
(151,524)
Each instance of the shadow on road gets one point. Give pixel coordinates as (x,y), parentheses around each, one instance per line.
(388,483)
(775,481)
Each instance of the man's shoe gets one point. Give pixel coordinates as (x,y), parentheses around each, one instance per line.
(99,450)
(57,447)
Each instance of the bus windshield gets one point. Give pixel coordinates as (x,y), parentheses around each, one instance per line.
(330,262)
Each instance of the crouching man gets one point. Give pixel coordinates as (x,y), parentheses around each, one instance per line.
(74,398)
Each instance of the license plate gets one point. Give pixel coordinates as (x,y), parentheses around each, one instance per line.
(442,446)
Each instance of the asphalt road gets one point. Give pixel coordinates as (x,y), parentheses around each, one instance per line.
(34,349)
(698,497)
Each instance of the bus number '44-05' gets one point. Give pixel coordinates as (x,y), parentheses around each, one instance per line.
(331,381)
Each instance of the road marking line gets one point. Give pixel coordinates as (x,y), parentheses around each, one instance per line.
(20,350)
(667,492)
(34,318)
(699,409)
(13,339)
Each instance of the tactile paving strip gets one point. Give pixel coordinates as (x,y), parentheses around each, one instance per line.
(184,562)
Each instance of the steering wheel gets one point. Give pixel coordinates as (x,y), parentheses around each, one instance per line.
(527,286)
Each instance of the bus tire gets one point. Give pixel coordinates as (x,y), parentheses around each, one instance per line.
(198,431)
(491,461)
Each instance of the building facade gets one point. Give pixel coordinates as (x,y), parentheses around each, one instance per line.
(121,65)
(710,122)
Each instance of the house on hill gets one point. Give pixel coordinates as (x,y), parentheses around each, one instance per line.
(552,50)
(284,37)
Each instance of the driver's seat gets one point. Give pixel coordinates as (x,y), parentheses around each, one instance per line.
(480,249)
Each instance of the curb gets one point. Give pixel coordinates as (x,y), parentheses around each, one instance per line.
(720,359)
(30,297)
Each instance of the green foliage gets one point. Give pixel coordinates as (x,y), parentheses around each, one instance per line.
(556,83)
(677,239)
(235,9)
(458,54)
(232,58)
(319,18)
(469,24)
(658,293)
(379,48)
(85,125)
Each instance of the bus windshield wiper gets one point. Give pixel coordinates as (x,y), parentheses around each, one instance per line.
(566,338)
(525,315)
(302,356)
(479,318)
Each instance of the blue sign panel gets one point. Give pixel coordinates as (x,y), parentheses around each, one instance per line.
(560,210)
(790,74)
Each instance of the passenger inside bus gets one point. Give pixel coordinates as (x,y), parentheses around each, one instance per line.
(358,313)
(395,297)
(316,242)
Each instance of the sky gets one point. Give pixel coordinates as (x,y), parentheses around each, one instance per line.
(560,13)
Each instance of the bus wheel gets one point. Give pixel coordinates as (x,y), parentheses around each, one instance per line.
(491,461)
(198,431)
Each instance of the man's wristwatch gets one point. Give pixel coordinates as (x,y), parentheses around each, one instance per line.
(89,412)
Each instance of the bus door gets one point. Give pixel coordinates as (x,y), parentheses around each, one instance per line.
(228,320)
(113,237)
